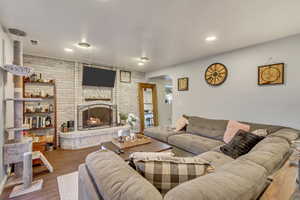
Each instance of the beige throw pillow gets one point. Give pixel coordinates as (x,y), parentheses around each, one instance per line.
(181,123)
(137,156)
(260,132)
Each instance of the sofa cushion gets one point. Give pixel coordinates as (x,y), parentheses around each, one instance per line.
(237,180)
(160,133)
(210,128)
(272,144)
(240,144)
(168,172)
(193,143)
(216,159)
(287,134)
(269,153)
(115,180)
(243,168)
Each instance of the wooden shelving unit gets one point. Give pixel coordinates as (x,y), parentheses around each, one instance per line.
(37,113)
(49,99)
(40,82)
(42,128)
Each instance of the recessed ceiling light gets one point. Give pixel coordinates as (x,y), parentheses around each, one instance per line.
(211,38)
(83,45)
(144,59)
(68,50)
(141,64)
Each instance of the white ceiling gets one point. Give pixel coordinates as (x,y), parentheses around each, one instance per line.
(166,31)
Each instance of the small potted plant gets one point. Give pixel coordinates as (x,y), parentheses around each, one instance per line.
(123,118)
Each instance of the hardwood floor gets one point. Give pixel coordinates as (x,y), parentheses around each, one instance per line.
(63,161)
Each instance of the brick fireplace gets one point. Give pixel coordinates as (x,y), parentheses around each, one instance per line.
(96,123)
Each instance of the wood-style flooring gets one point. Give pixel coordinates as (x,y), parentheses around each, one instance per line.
(63,162)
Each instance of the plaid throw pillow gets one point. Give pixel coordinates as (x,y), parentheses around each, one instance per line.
(170,172)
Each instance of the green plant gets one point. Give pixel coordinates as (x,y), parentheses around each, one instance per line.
(123,116)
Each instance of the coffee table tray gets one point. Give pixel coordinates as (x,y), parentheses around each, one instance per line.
(141,139)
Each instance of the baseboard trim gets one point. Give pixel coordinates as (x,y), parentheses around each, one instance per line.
(2,184)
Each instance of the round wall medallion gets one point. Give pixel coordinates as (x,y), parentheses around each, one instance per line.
(216,74)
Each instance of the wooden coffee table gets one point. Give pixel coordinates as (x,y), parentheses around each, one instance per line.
(154,146)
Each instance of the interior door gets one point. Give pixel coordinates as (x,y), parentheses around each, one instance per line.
(148,105)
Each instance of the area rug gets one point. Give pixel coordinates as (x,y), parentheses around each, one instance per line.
(68,186)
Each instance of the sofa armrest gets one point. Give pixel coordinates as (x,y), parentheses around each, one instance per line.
(116,180)
(86,187)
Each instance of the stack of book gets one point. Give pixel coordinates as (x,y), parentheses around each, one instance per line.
(38,121)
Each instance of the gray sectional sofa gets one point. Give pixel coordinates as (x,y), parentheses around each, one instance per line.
(106,176)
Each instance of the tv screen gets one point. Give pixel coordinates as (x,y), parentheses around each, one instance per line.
(98,77)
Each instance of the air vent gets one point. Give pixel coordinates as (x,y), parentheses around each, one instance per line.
(34,42)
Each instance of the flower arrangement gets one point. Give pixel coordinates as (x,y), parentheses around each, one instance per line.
(132,120)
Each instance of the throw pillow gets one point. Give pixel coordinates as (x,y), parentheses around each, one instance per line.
(232,129)
(137,156)
(170,172)
(181,123)
(261,132)
(240,144)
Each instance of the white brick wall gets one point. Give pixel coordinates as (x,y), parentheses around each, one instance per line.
(70,93)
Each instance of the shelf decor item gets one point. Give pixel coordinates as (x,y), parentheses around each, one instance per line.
(125,76)
(216,74)
(183,84)
(271,74)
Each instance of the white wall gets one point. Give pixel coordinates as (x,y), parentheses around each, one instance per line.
(5,87)
(240,97)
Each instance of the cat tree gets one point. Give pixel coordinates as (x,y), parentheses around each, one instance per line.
(17,149)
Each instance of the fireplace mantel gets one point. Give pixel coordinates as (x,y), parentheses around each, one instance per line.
(95,103)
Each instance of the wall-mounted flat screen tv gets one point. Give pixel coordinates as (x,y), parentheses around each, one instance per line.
(98,77)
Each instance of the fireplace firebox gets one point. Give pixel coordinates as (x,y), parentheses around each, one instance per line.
(96,116)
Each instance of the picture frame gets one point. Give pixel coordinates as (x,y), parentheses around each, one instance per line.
(125,76)
(183,84)
(272,74)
